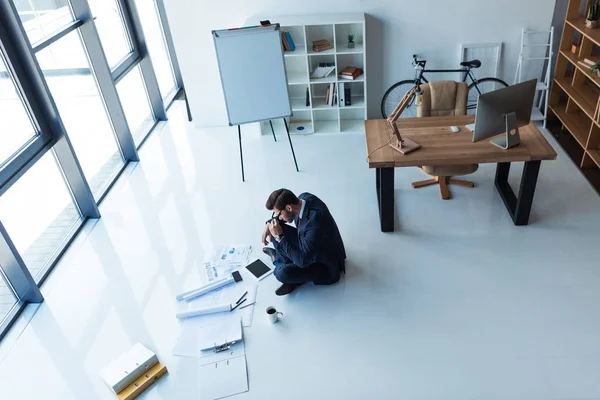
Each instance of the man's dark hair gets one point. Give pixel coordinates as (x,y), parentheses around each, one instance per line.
(281,198)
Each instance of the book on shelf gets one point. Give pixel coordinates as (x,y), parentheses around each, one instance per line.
(350,73)
(333,94)
(347,95)
(286,45)
(288,37)
(322,71)
(321,45)
(330,95)
(590,61)
(584,65)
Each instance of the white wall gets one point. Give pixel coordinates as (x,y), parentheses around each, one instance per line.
(434,29)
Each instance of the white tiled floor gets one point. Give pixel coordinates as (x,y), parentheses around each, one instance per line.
(457,304)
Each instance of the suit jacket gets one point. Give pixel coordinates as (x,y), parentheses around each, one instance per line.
(319,240)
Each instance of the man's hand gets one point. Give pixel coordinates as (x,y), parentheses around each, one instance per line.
(275,228)
(266,235)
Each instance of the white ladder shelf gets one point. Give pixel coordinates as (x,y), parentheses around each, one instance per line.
(527,54)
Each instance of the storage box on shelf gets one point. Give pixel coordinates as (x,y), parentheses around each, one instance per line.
(300,63)
(575,95)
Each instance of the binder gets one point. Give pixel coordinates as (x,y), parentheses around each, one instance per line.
(347,96)
(223,373)
(128,367)
(144,382)
(341,94)
(133,372)
(223,369)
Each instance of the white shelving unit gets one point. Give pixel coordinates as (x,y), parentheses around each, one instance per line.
(319,117)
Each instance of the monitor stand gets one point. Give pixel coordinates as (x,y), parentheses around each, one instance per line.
(512,138)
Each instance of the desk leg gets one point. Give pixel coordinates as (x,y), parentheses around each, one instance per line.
(384,182)
(519,208)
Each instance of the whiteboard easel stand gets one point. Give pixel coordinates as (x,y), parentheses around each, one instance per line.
(257,90)
(274,137)
(273,130)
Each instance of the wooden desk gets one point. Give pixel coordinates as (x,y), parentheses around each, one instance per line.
(440,146)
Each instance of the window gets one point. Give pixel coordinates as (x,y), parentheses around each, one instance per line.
(73,87)
(155,41)
(135,104)
(7,297)
(17,128)
(41,18)
(111,29)
(39,214)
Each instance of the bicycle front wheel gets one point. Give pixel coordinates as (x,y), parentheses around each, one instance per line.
(480,87)
(392,98)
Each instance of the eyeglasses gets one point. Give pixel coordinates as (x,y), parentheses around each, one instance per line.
(274,216)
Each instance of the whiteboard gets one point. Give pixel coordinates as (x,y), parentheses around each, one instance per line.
(253,74)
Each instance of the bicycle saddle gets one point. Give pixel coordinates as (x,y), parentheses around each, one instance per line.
(472,63)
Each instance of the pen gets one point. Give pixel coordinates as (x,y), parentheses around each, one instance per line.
(241,297)
(238,304)
(248,305)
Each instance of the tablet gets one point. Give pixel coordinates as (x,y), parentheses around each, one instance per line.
(259,269)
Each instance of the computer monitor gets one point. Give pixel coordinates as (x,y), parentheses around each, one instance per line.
(504,110)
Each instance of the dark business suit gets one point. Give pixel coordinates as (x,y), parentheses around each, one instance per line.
(313,252)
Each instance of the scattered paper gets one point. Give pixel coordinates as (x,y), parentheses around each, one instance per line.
(193,333)
(232,256)
(188,342)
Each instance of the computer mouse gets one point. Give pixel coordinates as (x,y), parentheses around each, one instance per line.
(454,129)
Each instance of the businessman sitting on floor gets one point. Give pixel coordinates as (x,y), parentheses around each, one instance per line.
(313,251)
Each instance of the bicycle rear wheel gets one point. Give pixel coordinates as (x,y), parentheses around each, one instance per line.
(392,98)
(480,87)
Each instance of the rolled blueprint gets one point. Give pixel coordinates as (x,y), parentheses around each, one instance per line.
(192,294)
(204,311)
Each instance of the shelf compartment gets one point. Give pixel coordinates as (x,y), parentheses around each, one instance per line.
(298,97)
(593,145)
(582,95)
(301,123)
(313,63)
(566,141)
(591,34)
(573,59)
(326,120)
(595,155)
(297,34)
(318,97)
(352,125)
(341,38)
(357,93)
(318,32)
(577,123)
(327,126)
(299,104)
(296,70)
(352,119)
(350,60)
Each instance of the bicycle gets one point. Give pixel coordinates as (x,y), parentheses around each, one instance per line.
(394,94)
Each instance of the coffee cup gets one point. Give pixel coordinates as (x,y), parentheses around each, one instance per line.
(273,315)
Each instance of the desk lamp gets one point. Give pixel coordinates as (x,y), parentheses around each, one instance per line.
(403,146)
